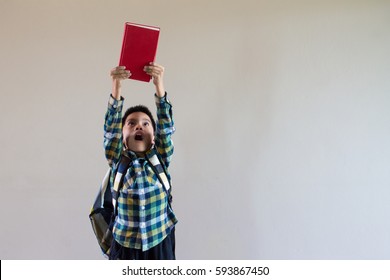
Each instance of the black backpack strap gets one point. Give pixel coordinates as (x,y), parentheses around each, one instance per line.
(123,165)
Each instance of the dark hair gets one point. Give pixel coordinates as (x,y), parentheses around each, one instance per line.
(139,108)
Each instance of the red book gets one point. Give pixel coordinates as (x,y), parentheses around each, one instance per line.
(139,48)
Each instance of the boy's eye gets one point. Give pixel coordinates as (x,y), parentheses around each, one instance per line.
(146,123)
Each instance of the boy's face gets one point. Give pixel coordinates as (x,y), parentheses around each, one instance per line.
(138,133)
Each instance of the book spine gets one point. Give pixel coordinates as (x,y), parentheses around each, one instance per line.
(123,45)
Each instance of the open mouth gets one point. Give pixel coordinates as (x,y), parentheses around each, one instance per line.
(139,137)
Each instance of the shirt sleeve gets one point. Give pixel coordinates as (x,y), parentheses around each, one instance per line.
(113,130)
(165,129)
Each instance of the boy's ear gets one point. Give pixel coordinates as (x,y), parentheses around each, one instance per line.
(125,144)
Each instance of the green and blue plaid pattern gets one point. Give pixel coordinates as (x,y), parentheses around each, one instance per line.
(145,217)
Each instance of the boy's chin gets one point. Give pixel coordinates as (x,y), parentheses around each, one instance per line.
(139,148)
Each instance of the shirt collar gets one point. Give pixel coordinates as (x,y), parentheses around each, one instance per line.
(132,155)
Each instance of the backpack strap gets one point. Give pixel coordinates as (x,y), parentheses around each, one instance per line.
(160,171)
(101,199)
(123,165)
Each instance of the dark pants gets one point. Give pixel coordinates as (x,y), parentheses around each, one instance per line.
(163,251)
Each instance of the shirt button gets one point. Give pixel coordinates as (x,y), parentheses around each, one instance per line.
(141,192)
(143,207)
(142,225)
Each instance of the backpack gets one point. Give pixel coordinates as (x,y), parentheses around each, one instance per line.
(104,208)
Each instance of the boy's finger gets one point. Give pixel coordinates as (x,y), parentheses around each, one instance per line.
(148,69)
(122,71)
(153,64)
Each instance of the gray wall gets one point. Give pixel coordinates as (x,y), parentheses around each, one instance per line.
(282,117)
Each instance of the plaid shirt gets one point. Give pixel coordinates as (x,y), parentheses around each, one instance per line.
(144,217)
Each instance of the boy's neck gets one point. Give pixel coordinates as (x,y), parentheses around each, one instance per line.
(141,155)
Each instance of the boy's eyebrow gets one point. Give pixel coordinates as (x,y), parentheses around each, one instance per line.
(143,119)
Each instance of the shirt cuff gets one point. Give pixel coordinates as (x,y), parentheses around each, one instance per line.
(114,104)
(162,100)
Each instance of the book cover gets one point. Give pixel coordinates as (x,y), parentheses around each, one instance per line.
(139,48)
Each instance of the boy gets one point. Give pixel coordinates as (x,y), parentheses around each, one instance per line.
(145,225)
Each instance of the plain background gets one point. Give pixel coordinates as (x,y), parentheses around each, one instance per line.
(282,116)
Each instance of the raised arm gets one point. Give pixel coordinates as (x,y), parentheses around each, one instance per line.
(118,74)
(113,119)
(165,124)
(157,72)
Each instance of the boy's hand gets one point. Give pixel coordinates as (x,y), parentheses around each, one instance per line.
(118,74)
(157,73)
